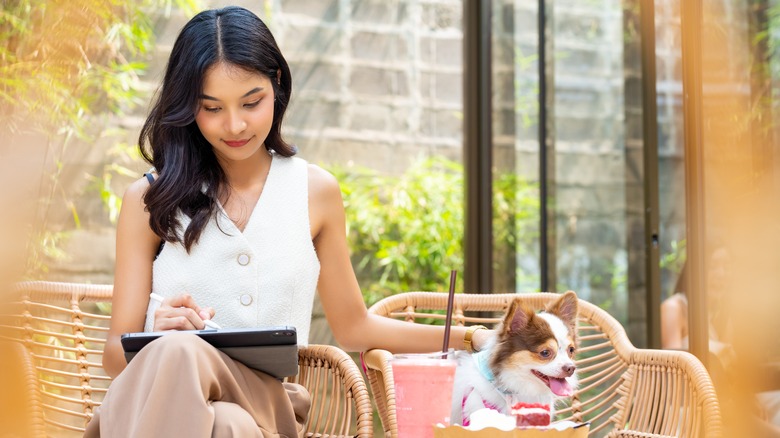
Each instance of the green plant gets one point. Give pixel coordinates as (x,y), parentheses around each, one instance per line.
(124,157)
(64,65)
(515,226)
(65,60)
(675,259)
(406,231)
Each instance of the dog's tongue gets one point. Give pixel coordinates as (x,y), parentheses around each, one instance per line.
(560,387)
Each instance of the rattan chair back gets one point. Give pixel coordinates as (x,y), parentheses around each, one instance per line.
(62,328)
(623,391)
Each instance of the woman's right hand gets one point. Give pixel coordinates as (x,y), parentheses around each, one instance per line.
(181,313)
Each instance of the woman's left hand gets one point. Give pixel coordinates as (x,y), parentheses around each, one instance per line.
(480,338)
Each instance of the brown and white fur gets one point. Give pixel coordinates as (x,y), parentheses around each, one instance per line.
(529,360)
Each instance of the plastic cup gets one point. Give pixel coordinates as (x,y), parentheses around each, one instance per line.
(423,392)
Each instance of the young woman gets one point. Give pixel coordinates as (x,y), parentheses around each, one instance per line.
(230,227)
(674,309)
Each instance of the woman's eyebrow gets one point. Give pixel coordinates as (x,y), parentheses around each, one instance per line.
(248,93)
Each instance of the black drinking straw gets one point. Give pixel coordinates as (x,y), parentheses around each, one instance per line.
(448,320)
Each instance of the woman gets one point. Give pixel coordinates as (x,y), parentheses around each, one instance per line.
(674,309)
(232,227)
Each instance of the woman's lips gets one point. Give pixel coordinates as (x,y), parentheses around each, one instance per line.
(236,143)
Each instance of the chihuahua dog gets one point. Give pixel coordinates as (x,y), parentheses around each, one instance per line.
(530,360)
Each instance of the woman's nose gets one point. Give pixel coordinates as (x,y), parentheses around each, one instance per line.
(235,124)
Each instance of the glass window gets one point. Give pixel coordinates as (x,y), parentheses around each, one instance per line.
(515,148)
(377,100)
(595,182)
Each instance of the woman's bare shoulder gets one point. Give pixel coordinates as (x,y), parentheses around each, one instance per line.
(135,192)
(323,186)
(326,206)
(675,303)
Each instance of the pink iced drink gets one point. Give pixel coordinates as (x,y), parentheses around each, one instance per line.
(423,393)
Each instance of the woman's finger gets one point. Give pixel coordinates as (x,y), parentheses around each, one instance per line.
(185,300)
(174,323)
(177,318)
(206,313)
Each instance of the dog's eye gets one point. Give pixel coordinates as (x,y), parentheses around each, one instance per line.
(571,349)
(545,353)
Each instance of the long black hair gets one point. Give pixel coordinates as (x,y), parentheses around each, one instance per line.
(190,177)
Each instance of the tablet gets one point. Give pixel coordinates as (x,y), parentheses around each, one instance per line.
(272,350)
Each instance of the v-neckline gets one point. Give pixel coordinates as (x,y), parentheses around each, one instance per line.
(257,204)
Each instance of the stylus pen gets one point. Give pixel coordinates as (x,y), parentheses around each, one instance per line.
(209,323)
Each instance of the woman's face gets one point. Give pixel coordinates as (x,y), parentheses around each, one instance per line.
(235,112)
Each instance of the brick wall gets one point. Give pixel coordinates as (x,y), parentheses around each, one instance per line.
(377,83)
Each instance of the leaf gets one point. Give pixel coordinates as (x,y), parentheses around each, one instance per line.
(415,242)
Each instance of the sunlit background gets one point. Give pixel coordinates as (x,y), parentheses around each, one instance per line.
(378,100)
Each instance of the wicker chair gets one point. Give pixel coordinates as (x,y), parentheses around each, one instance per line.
(624,391)
(60,331)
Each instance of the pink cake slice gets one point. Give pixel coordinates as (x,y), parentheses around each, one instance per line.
(531,414)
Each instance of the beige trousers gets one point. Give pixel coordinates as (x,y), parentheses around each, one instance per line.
(179,385)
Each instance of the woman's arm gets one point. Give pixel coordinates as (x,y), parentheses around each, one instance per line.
(136,246)
(354,328)
(674,320)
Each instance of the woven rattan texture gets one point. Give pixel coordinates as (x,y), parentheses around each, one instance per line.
(63,327)
(623,392)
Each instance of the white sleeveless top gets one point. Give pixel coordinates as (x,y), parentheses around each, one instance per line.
(264,276)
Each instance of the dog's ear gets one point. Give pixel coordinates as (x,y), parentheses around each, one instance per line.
(565,308)
(517,317)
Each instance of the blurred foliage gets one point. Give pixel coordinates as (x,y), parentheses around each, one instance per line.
(406,231)
(45,245)
(64,65)
(516,211)
(65,59)
(674,260)
(121,160)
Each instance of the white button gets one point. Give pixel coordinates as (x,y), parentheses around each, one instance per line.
(246,299)
(243,259)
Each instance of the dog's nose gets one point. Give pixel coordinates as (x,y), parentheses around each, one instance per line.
(568,370)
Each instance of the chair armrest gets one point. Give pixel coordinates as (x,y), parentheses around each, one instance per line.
(380,376)
(337,392)
(667,393)
(20,401)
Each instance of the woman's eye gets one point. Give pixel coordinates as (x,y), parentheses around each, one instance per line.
(252,104)
(211,109)
(544,353)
